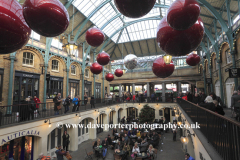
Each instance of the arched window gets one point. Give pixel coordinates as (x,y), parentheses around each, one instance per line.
(55,66)
(73,69)
(87,73)
(28,59)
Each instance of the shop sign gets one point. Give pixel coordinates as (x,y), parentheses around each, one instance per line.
(19,134)
(73,81)
(234,73)
(87,82)
(200,84)
(27,75)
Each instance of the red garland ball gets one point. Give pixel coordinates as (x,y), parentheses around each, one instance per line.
(96,68)
(14,31)
(134,8)
(94,37)
(182,14)
(160,69)
(179,43)
(48,18)
(103,58)
(193,59)
(109,77)
(118,72)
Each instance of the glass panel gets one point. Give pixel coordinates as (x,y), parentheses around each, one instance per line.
(29,92)
(23,88)
(16,89)
(53,139)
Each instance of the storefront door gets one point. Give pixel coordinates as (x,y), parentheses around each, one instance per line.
(73,88)
(25,84)
(229,90)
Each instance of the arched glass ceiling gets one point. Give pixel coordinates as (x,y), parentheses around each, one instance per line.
(138,31)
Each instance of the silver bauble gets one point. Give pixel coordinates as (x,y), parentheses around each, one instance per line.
(130,61)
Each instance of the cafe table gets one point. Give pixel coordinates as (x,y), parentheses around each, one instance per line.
(98,151)
(120,153)
(140,155)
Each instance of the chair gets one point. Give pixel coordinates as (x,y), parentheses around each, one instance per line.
(89,154)
(117,157)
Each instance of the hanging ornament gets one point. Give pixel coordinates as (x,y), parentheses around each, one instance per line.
(134,8)
(130,61)
(182,14)
(14,31)
(179,43)
(103,58)
(160,69)
(48,18)
(193,59)
(96,68)
(94,37)
(118,72)
(109,77)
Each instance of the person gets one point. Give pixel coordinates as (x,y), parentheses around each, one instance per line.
(143,146)
(174,130)
(110,141)
(218,108)
(215,97)
(126,149)
(67,103)
(126,137)
(138,133)
(134,98)
(235,103)
(60,153)
(202,96)
(37,101)
(150,151)
(165,122)
(155,139)
(105,146)
(152,97)
(118,146)
(208,104)
(66,140)
(123,120)
(97,143)
(137,97)
(75,104)
(196,99)
(135,150)
(92,101)
(139,140)
(85,99)
(180,95)
(114,131)
(189,96)
(57,101)
(129,133)
(235,93)
(188,157)
(32,108)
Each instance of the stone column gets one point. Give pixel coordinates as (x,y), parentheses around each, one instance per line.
(179,88)
(120,90)
(163,92)
(133,88)
(148,90)
(142,88)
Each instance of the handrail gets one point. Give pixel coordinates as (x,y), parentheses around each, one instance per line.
(214,113)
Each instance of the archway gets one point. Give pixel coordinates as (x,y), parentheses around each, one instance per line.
(120,110)
(132,113)
(229,90)
(217,88)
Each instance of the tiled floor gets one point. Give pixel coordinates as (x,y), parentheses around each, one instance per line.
(172,150)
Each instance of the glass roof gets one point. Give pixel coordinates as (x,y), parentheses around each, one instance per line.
(137,31)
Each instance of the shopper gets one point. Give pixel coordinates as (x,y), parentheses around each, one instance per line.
(37,101)
(57,103)
(235,103)
(105,146)
(66,140)
(174,130)
(215,97)
(67,103)
(92,101)
(85,99)
(196,99)
(59,152)
(188,157)
(75,104)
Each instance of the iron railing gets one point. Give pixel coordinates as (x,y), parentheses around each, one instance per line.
(223,133)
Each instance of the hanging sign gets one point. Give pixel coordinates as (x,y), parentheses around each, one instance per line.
(234,73)
(209,80)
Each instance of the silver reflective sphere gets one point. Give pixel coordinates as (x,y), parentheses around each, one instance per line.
(130,61)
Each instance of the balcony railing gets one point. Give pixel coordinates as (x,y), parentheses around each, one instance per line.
(222,132)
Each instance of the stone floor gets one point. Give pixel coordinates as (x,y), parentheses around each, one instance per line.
(228,114)
(171,150)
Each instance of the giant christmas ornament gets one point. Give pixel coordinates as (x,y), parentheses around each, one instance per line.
(193,59)
(94,37)
(182,14)
(179,43)
(130,61)
(96,68)
(14,31)
(160,69)
(134,8)
(48,18)
(118,72)
(109,77)
(103,58)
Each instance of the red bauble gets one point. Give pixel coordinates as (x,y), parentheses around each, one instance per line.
(182,14)
(96,68)
(160,69)
(94,37)
(134,8)
(118,72)
(14,31)
(179,43)
(193,59)
(103,58)
(48,18)
(109,77)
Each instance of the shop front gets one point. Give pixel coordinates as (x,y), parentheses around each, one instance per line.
(54,86)
(73,88)
(88,88)
(25,84)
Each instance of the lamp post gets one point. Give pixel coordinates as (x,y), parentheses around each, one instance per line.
(71,47)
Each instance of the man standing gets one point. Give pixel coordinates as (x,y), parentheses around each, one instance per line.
(105,146)
(92,101)
(235,103)
(67,103)
(75,103)
(60,153)
(66,141)
(57,102)
(189,96)
(188,157)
